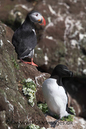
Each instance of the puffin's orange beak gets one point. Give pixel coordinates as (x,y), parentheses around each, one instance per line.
(43,22)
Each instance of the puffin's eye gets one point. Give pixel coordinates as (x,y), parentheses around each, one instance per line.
(36,14)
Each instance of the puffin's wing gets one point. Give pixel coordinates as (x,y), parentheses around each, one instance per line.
(24,42)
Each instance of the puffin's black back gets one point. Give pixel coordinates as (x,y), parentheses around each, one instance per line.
(24,38)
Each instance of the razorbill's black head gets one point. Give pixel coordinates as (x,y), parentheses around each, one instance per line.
(61,71)
(54,93)
(24,38)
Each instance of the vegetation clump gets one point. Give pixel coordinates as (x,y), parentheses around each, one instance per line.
(29,89)
(33,126)
(44,108)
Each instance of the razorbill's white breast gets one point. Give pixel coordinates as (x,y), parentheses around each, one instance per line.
(54,92)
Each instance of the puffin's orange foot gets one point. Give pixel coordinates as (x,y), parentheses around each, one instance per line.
(31,63)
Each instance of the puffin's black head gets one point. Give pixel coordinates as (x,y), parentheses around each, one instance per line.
(36,17)
(61,71)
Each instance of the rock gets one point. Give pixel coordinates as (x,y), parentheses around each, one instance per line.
(8,6)
(78,123)
(64,34)
(77,90)
(15,112)
(63,39)
(13,13)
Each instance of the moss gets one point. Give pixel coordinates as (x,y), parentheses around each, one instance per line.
(15,63)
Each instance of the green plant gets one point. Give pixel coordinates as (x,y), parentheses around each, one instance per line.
(68,118)
(43,107)
(33,126)
(29,89)
(72,110)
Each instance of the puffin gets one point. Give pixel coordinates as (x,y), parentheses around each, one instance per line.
(54,92)
(24,38)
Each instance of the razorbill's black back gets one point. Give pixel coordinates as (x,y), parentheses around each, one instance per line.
(24,38)
(54,92)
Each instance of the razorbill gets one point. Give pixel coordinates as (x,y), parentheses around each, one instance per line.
(24,38)
(54,92)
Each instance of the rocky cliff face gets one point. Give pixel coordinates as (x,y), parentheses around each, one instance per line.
(61,41)
(64,35)
(15,112)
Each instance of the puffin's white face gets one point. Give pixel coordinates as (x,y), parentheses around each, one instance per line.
(36,17)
